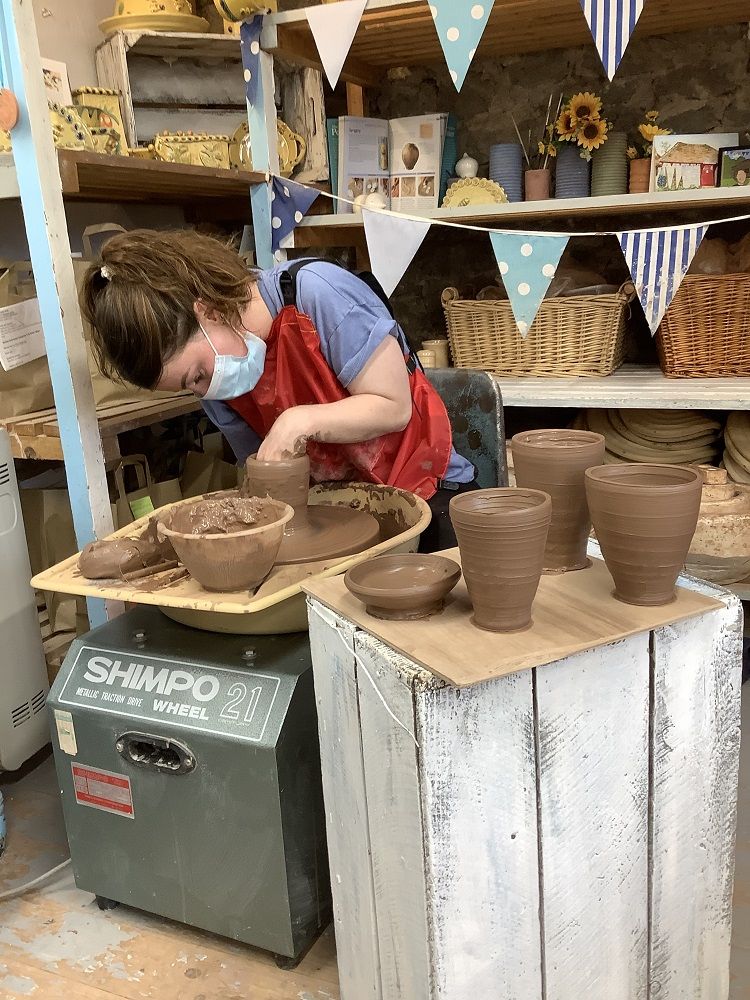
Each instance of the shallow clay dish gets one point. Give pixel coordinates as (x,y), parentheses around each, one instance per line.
(403,586)
(238,560)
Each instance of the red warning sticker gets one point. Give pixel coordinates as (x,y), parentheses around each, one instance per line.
(102,790)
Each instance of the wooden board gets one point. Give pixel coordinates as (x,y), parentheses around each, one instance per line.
(697,681)
(572,612)
(593,751)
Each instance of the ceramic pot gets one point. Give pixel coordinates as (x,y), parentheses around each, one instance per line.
(609,166)
(644,517)
(506,168)
(572,174)
(288,481)
(502,535)
(427,359)
(555,461)
(640,176)
(537,184)
(467,166)
(440,350)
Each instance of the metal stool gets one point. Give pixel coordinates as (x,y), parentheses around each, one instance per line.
(475,408)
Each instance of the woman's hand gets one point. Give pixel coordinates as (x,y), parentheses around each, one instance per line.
(288,436)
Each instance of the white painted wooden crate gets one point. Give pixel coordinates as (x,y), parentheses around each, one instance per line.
(561,833)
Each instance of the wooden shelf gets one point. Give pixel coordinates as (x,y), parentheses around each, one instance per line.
(95,177)
(182,45)
(631,387)
(37,435)
(402,33)
(563,215)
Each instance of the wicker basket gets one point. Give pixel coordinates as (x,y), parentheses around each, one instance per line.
(706,330)
(575,335)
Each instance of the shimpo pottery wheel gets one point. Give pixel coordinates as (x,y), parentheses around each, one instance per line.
(403,586)
(320,532)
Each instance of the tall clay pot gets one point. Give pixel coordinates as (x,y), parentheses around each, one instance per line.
(288,480)
(645,518)
(537,184)
(501,534)
(555,461)
(640,176)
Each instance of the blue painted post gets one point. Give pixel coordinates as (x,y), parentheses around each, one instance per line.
(46,228)
(265,151)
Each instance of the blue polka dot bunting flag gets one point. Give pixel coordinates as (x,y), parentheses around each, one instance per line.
(460,25)
(527,264)
(250,45)
(289,203)
(658,261)
(612,22)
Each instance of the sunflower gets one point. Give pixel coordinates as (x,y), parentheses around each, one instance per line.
(566,127)
(632,153)
(585,107)
(541,148)
(651,116)
(552,150)
(593,135)
(649,131)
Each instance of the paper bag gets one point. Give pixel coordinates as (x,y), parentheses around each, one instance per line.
(206,471)
(28,388)
(149,496)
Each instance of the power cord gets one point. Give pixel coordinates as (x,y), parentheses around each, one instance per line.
(21,889)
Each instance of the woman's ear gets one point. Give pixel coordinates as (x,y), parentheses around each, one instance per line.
(203,311)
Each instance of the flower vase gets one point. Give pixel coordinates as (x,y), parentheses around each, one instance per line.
(572,175)
(537,184)
(609,166)
(640,175)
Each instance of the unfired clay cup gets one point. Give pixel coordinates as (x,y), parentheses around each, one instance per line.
(555,461)
(287,480)
(403,586)
(645,518)
(501,535)
(441,351)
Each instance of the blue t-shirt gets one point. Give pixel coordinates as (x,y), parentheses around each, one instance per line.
(351,322)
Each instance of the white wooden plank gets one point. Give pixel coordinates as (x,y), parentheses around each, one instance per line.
(480,817)
(303,109)
(112,72)
(593,754)
(394,811)
(345,796)
(696,736)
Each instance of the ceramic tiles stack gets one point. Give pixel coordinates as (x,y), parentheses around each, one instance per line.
(609,170)
(661,436)
(506,168)
(737,447)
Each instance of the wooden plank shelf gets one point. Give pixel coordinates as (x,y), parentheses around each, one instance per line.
(96,177)
(182,45)
(563,215)
(631,387)
(402,33)
(37,435)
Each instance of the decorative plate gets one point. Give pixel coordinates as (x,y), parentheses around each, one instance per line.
(154,22)
(240,154)
(474,191)
(68,131)
(292,148)
(98,118)
(5,142)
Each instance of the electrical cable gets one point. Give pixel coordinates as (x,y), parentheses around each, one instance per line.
(21,889)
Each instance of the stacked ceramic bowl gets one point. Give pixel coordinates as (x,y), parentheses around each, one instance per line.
(666,437)
(737,447)
(572,174)
(609,166)
(506,168)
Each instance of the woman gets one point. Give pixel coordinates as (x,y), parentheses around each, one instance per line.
(282,362)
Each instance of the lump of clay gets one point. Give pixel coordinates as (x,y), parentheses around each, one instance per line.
(224,515)
(116,557)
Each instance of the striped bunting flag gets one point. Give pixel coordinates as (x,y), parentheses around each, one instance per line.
(612,22)
(658,261)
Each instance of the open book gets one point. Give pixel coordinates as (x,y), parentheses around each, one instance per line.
(401,159)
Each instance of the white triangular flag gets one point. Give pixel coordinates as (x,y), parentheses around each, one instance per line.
(612,22)
(658,260)
(333,27)
(392,243)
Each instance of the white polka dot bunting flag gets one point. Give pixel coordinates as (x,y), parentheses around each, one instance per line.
(658,261)
(250,45)
(460,25)
(527,264)
(612,22)
(333,27)
(289,203)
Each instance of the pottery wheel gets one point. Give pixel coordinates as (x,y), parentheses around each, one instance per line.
(331,531)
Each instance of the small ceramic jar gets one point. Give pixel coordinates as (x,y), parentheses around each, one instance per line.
(467,166)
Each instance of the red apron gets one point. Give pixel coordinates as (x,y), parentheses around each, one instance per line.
(297,374)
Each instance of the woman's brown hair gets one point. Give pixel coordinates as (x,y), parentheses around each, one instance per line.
(140,299)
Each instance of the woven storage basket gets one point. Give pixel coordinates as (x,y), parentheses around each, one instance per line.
(574,335)
(706,330)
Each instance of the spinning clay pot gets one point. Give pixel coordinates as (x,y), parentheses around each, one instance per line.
(555,461)
(288,481)
(502,534)
(644,517)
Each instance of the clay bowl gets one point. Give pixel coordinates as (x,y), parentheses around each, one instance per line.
(645,518)
(403,586)
(237,560)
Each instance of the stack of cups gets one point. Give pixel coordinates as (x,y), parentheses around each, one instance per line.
(609,166)
(572,175)
(506,168)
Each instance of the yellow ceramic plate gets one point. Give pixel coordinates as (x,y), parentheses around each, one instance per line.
(68,130)
(154,22)
(5,142)
(474,191)
(96,118)
(240,154)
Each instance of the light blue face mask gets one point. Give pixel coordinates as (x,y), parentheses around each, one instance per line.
(233,376)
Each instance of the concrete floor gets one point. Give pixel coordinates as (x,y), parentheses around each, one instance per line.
(56,945)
